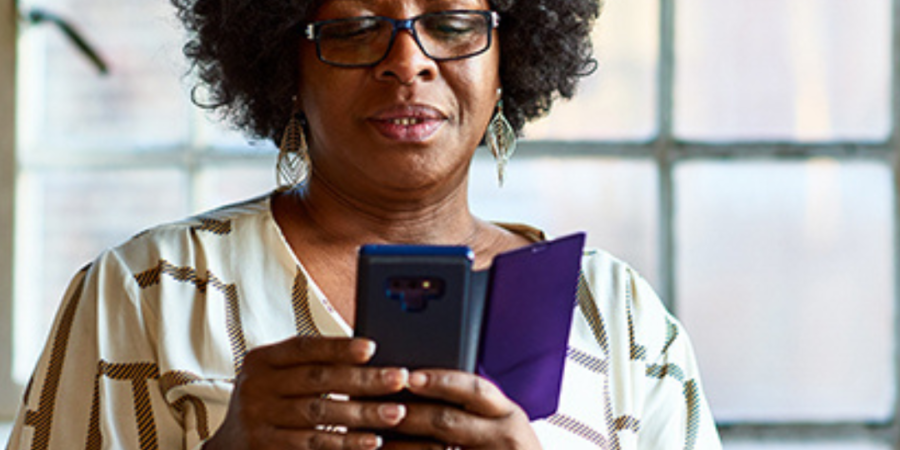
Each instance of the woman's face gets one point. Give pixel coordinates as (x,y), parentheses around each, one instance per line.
(408,122)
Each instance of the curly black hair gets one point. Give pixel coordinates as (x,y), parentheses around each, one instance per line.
(244,52)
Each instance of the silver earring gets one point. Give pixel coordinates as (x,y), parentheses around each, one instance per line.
(501,138)
(293,157)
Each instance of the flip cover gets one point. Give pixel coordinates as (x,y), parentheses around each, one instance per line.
(531,299)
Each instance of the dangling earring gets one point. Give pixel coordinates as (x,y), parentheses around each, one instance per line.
(293,157)
(501,138)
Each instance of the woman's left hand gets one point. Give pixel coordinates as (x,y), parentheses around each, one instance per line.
(484,417)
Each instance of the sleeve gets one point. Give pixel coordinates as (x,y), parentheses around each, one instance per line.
(96,384)
(675,413)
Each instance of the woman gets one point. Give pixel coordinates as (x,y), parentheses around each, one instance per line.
(232,329)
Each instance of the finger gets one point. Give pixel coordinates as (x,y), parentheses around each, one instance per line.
(350,380)
(323,440)
(301,350)
(415,445)
(452,425)
(310,412)
(459,428)
(470,391)
(441,423)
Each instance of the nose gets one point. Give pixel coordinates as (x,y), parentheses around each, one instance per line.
(406,62)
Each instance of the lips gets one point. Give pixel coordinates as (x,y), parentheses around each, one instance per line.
(408,123)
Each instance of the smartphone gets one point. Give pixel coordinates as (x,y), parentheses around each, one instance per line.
(412,300)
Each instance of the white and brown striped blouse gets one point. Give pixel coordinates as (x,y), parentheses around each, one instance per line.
(150,335)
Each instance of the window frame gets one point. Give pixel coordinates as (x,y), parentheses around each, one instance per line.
(10,392)
(665,150)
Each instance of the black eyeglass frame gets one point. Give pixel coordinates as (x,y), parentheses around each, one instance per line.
(311,32)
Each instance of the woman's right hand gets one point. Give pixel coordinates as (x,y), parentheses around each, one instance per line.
(281,397)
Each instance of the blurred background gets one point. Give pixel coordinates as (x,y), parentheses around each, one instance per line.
(741,154)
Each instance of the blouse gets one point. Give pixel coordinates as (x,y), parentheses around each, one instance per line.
(150,336)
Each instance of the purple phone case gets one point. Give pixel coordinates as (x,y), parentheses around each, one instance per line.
(527,320)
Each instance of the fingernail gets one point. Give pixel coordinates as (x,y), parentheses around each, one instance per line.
(372,442)
(417,379)
(395,377)
(366,347)
(392,412)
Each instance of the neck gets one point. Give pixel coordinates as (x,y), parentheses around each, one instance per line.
(425,216)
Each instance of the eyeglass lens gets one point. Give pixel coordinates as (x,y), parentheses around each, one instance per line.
(367,40)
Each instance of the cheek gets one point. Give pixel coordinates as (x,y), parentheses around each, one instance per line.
(309,76)
(481,85)
(322,94)
(488,78)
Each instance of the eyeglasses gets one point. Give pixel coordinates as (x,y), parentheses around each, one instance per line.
(366,41)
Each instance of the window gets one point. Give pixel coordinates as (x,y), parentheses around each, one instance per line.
(740,154)
(8,395)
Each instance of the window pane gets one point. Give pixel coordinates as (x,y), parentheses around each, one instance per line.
(619,100)
(5,430)
(64,220)
(785,281)
(67,105)
(783,69)
(614,201)
(810,446)
(219,134)
(229,183)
